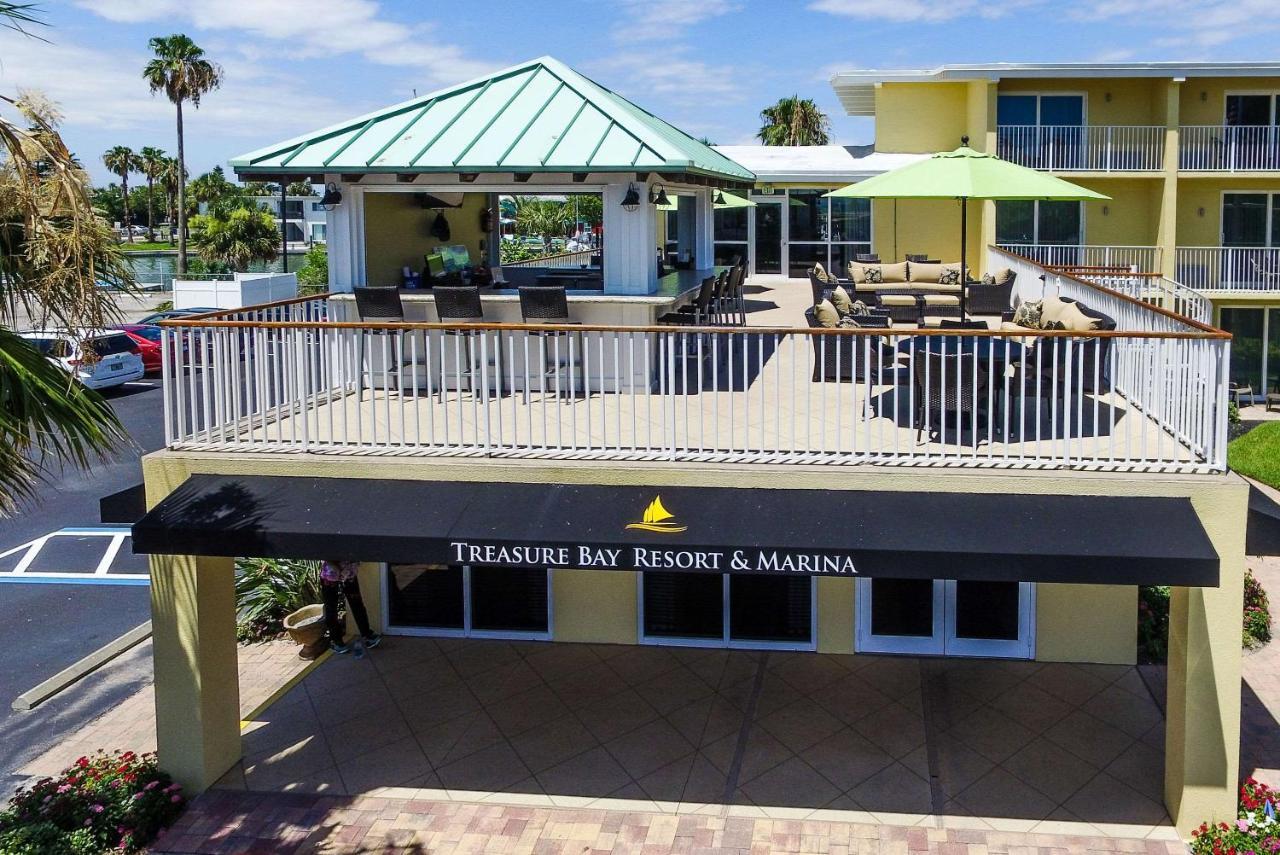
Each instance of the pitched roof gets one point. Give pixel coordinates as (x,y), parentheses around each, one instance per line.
(539,116)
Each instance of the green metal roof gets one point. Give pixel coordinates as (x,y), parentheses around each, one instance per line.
(540,116)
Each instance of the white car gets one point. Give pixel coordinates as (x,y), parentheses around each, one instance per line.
(117,359)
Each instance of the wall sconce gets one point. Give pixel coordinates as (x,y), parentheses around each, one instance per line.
(658,196)
(1200,212)
(1204,96)
(631,201)
(718,199)
(1107,97)
(1106,210)
(332,198)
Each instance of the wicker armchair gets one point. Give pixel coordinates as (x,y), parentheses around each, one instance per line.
(840,358)
(988,299)
(955,401)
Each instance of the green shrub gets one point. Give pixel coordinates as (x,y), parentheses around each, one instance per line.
(313,275)
(1257,613)
(267,590)
(1153,623)
(516,250)
(114,802)
(163,306)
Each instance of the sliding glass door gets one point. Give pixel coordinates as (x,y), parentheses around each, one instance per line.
(722,610)
(946,617)
(495,602)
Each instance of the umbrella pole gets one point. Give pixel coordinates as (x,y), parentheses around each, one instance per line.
(964,266)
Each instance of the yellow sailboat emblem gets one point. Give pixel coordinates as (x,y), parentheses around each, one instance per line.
(657,518)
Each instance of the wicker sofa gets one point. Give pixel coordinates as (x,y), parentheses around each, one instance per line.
(1089,356)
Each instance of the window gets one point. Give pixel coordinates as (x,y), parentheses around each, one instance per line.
(1022,222)
(318,232)
(293,232)
(727,610)
(730,233)
(1043,110)
(1252,109)
(427,599)
(1251,219)
(293,209)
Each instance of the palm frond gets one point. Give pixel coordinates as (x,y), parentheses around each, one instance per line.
(46,419)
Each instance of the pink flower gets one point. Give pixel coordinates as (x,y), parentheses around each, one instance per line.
(88,822)
(176,799)
(96,808)
(152,785)
(1242,824)
(65,788)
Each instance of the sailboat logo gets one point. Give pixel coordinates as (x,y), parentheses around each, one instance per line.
(657,518)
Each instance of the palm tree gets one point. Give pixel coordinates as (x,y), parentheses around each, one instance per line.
(54,248)
(236,237)
(794,121)
(153,165)
(121,160)
(171,176)
(183,74)
(212,187)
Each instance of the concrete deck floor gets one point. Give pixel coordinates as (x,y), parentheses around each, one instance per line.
(980,744)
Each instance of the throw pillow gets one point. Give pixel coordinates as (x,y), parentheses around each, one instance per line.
(872,275)
(840,299)
(1029,315)
(826,315)
(859,309)
(949,277)
(1004,276)
(821,272)
(988,279)
(1053,325)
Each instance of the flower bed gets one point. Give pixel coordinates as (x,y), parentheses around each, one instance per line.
(1257,613)
(1255,831)
(114,802)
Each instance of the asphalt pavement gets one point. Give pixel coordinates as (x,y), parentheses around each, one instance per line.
(47,627)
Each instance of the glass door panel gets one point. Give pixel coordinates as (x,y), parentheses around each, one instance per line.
(426,596)
(509,599)
(1272,365)
(1249,110)
(1058,223)
(1244,219)
(1248,342)
(769,608)
(988,619)
(768,237)
(683,605)
(900,615)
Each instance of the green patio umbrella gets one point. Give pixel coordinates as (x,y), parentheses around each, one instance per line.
(966,174)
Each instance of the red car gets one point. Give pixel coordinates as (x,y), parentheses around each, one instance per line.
(147,338)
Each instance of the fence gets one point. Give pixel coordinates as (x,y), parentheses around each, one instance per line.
(1229,148)
(285,378)
(1229,268)
(1144,259)
(559,261)
(1087,148)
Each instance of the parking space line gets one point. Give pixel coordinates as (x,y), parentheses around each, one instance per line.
(101,573)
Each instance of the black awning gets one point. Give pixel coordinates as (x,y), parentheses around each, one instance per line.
(992,537)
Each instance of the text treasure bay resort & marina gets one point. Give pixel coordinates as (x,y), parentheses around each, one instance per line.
(770,416)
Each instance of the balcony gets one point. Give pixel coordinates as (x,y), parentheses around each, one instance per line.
(1083,148)
(1142,259)
(1150,396)
(1242,270)
(1229,148)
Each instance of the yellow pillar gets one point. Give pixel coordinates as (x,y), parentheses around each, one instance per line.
(596,606)
(370,575)
(193,637)
(835,614)
(1167,231)
(1202,724)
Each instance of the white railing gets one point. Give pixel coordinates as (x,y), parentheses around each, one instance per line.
(1142,259)
(559,261)
(1087,148)
(1170,367)
(1229,268)
(1153,289)
(1229,148)
(291,380)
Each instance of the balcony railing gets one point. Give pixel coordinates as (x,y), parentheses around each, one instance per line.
(1143,259)
(1229,148)
(1150,288)
(558,261)
(285,378)
(1083,148)
(1229,268)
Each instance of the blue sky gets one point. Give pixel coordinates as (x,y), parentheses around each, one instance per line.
(708,66)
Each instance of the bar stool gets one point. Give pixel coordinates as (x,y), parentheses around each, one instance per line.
(462,305)
(549,304)
(380,305)
(737,277)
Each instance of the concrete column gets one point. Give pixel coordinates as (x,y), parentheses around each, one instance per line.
(1167,230)
(1202,724)
(197,689)
(836,614)
(630,242)
(705,228)
(370,575)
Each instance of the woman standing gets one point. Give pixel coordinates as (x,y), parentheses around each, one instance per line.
(338,579)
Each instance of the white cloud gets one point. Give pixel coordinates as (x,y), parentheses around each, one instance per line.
(678,79)
(899,11)
(1189,23)
(305,29)
(650,20)
(103,90)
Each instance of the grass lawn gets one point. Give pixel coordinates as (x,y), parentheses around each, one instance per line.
(147,246)
(1257,454)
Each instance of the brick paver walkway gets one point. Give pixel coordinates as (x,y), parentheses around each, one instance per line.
(248,824)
